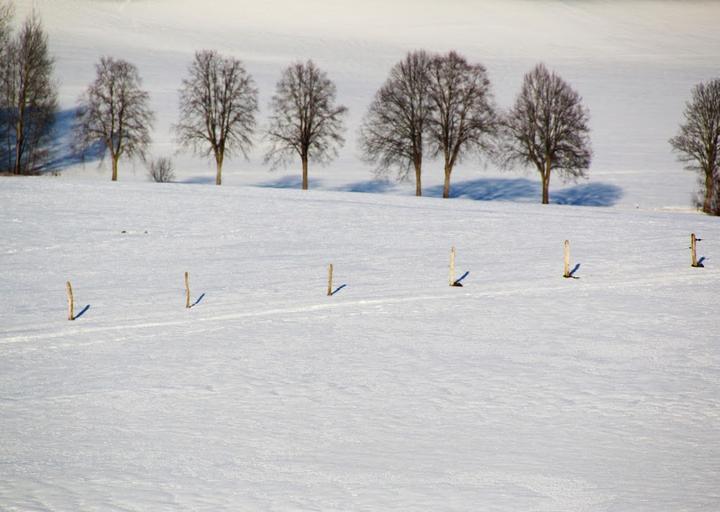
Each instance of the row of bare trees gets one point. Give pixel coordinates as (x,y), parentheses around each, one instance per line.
(437,105)
(28,95)
(218,105)
(429,106)
(441,105)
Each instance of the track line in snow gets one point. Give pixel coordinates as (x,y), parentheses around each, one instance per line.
(513,289)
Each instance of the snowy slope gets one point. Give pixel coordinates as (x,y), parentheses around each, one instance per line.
(520,391)
(634,62)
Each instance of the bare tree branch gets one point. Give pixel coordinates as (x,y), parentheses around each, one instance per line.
(464,118)
(394,129)
(698,142)
(548,128)
(218,103)
(305,121)
(28,95)
(115,112)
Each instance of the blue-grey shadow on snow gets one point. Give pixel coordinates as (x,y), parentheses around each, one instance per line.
(199,180)
(701,262)
(202,296)
(490,189)
(82,312)
(575,269)
(61,151)
(589,194)
(525,190)
(289,181)
(338,289)
(369,187)
(458,282)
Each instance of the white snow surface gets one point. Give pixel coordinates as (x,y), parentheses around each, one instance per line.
(634,62)
(519,391)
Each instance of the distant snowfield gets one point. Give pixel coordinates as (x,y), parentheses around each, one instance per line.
(634,62)
(519,391)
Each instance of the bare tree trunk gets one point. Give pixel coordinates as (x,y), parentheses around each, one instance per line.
(546,183)
(219,164)
(418,179)
(446,186)
(115,159)
(709,192)
(19,139)
(304,172)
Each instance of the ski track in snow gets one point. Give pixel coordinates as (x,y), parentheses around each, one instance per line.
(520,391)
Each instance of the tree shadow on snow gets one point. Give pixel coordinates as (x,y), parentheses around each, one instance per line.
(62,153)
(199,180)
(589,194)
(528,191)
(289,181)
(370,187)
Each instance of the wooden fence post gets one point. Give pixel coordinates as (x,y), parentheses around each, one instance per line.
(71,302)
(566,266)
(452,266)
(330,280)
(187,290)
(693,250)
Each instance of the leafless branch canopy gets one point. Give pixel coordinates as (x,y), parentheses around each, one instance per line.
(394,129)
(698,142)
(115,111)
(464,118)
(304,119)
(28,94)
(548,128)
(218,103)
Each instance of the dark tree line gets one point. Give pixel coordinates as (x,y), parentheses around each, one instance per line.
(28,95)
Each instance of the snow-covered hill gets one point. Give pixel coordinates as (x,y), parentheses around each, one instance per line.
(634,62)
(519,391)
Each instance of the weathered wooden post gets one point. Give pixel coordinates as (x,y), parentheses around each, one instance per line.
(693,251)
(452,266)
(187,291)
(330,279)
(71,302)
(566,271)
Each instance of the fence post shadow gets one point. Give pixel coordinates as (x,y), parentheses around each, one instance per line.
(202,296)
(575,269)
(338,289)
(82,312)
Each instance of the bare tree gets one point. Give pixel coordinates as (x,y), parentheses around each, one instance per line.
(547,127)
(161,170)
(305,121)
(115,112)
(29,96)
(218,102)
(698,142)
(394,129)
(464,118)
(7,12)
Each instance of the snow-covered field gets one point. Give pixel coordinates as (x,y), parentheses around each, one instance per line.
(634,62)
(520,391)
